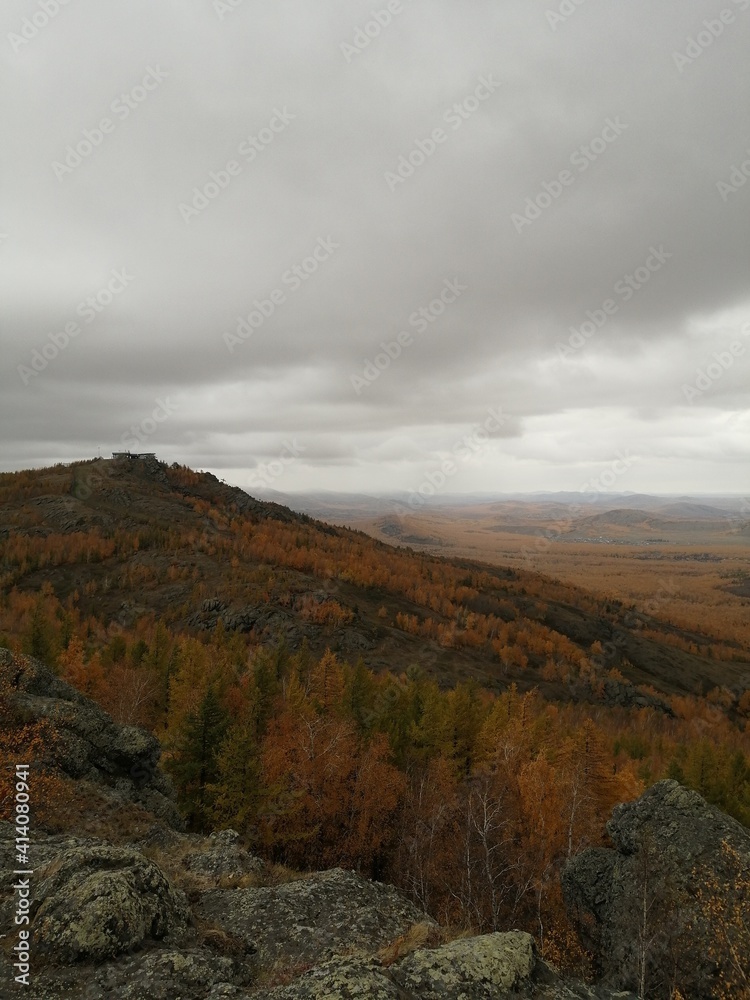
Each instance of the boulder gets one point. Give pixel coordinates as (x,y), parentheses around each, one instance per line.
(189,974)
(225,858)
(341,979)
(92,903)
(675,856)
(470,968)
(490,967)
(314,918)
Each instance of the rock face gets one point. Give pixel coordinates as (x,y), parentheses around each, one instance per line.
(90,745)
(96,903)
(314,918)
(673,851)
(224,859)
(108,922)
(475,967)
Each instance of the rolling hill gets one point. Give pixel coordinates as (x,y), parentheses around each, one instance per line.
(132,539)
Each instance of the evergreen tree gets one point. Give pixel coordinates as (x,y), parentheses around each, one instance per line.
(235,794)
(194,763)
(39,639)
(360,695)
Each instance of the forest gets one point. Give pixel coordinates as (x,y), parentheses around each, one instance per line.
(470,796)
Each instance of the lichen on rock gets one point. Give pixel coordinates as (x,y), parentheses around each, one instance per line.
(96,903)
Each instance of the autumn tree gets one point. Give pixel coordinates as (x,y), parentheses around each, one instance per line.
(590,788)
(428,831)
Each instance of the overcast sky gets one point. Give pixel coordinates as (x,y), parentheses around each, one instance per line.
(507,167)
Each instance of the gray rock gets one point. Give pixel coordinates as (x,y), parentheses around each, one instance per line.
(477,968)
(93,903)
(341,979)
(668,848)
(88,744)
(224,858)
(165,975)
(490,967)
(314,918)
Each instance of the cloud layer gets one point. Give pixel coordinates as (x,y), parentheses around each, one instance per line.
(350,233)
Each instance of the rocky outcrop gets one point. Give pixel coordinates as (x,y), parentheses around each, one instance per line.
(470,967)
(675,857)
(490,967)
(267,621)
(88,744)
(109,922)
(225,858)
(620,694)
(96,903)
(313,918)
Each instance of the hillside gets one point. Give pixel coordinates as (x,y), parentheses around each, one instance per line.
(162,913)
(455,730)
(131,539)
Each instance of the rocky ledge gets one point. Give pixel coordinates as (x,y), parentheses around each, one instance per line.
(121,761)
(112,921)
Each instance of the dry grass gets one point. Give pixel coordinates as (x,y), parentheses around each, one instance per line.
(87,811)
(278,975)
(421,935)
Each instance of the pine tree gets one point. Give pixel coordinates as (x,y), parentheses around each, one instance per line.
(360,695)
(236,792)
(39,640)
(194,761)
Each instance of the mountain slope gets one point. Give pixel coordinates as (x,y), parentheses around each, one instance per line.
(135,538)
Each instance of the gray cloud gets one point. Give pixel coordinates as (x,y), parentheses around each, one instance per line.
(208,150)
